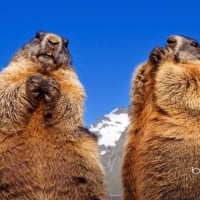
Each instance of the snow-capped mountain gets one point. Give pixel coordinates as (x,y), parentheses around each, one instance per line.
(111,132)
(110,127)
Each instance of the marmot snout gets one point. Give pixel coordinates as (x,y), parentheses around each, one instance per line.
(185,49)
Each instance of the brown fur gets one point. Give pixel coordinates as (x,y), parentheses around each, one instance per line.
(45,153)
(163,138)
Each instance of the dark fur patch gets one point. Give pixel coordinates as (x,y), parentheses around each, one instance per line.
(4,187)
(162,111)
(86,131)
(79,180)
(164,139)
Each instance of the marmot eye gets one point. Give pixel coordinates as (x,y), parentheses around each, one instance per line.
(194,44)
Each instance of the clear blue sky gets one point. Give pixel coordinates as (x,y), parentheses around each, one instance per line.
(108,38)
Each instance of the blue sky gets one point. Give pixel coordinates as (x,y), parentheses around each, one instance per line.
(108,39)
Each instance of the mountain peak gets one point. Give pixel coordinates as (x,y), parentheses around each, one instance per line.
(110,127)
(120,110)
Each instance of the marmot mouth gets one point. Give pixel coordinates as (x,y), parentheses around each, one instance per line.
(46,59)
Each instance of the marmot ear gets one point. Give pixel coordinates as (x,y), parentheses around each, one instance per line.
(156,55)
(39,34)
(66,42)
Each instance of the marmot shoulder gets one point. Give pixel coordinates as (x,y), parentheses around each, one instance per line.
(164,133)
(45,151)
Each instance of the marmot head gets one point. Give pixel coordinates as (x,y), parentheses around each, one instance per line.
(47,50)
(185,49)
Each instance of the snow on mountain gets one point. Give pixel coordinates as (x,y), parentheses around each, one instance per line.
(110,127)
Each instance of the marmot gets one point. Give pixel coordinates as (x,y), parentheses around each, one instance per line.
(162,157)
(45,151)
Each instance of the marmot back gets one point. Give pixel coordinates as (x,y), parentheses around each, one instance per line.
(164,133)
(45,152)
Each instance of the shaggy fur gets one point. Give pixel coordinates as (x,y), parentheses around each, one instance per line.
(163,139)
(45,152)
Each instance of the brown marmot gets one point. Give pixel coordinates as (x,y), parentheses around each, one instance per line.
(162,157)
(45,151)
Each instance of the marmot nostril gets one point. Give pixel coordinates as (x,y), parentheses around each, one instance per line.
(53,40)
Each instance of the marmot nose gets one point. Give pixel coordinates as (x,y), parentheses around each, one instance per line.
(53,40)
(172,41)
